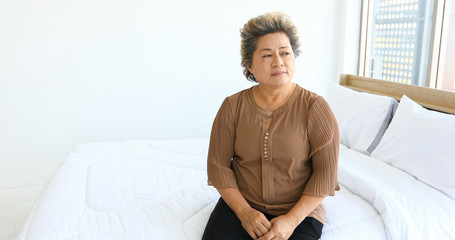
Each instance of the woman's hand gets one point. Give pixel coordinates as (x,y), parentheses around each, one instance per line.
(254,222)
(284,225)
(282,228)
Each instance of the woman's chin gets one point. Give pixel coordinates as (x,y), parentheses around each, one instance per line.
(276,83)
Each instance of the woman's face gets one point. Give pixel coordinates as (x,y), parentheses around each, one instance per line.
(273,61)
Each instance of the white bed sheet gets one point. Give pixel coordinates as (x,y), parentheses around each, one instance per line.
(410,209)
(157,189)
(120,190)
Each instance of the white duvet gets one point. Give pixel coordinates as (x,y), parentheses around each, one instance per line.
(158,190)
(410,209)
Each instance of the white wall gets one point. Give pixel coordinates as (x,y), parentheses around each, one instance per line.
(77,71)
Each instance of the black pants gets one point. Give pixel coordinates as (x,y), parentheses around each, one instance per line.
(223,224)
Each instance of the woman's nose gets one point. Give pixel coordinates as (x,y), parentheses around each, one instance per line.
(277,61)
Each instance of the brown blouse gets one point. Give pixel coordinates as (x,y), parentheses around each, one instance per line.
(274,165)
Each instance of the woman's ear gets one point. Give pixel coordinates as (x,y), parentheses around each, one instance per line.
(250,68)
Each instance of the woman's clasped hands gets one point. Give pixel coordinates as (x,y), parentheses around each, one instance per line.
(254,222)
(259,227)
(282,229)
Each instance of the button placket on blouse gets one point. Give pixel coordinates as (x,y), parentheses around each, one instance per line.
(265,143)
(267,169)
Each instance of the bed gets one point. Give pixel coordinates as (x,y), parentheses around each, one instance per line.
(396,170)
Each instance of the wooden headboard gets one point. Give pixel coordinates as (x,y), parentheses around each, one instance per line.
(440,100)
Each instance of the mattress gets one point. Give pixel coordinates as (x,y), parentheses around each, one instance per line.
(158,190)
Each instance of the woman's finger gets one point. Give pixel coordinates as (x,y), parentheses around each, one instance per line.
(270,235)
(267,224)
(252,234)
(262,229)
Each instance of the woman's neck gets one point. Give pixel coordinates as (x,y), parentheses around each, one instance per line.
(272,98)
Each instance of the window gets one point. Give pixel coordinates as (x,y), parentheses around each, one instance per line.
(446,72)
(409,41)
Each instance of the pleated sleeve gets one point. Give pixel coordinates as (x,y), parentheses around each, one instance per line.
(323,135)
(221,149)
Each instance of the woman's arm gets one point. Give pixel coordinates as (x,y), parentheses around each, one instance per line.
(253,221)
(284,225)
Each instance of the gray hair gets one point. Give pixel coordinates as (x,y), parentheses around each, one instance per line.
(259,26)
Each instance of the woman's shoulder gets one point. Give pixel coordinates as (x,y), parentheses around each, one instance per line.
(240,94)
(238,97)
(231,103)
(308,96)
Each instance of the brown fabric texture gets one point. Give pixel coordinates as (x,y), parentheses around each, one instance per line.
(274,164)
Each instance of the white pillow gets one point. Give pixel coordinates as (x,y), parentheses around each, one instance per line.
(422,143)
(362,117)
(194,227)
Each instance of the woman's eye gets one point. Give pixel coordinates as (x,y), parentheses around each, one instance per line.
(286,53)
(266,56)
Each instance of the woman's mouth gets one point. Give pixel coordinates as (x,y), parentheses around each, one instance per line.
(278,73)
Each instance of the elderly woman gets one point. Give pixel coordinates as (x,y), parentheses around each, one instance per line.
(273,151)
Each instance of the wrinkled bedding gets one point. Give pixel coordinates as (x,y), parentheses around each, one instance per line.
(152,189)
(410,209)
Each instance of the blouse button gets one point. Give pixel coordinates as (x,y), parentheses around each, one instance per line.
(266,137)
(267,133)
(265,152)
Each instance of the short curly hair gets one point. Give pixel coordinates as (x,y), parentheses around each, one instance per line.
(259,26)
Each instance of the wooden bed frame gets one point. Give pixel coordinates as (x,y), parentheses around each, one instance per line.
(439,100)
